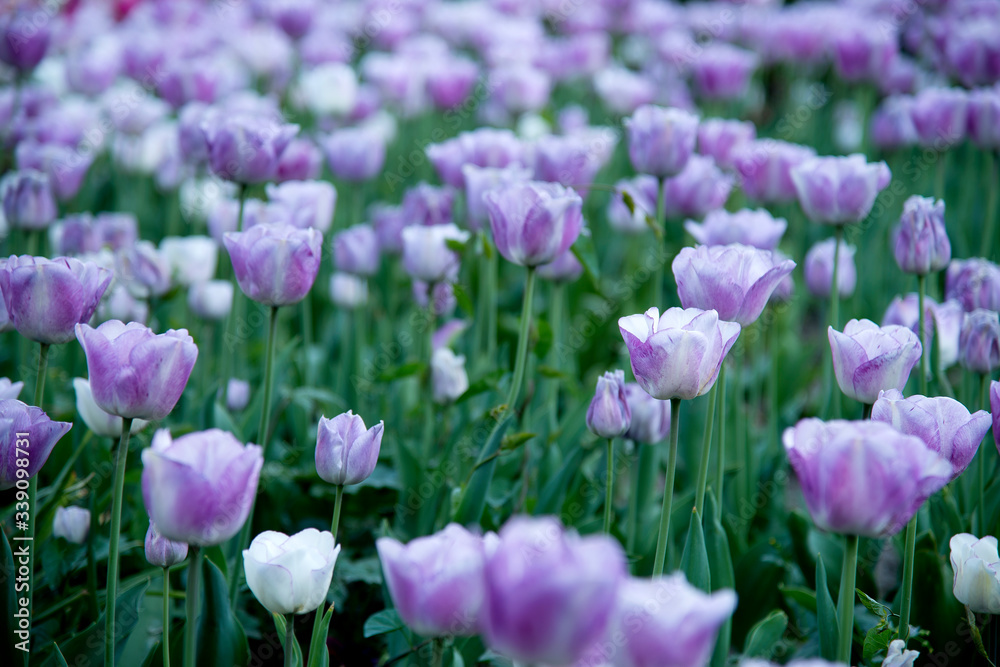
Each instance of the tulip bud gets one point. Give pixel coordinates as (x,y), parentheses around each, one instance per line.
(979,342)
(819,269)
(345,452)
(72,524)
(765,167)
(609,414)
(24,36)
(898,655)
(976,565)
(533,222)
(974,282)
(839,190)
(348,291)
(17,419)
(448,377)
(211,300)
(96,419)
(650,416)
(922,245)
(237,395)
(291,575)
(27,200)
(143,269)
(426,255)
(245,147)
(355,154)
(661,141)
(163,552)
(948,318)
(718,138)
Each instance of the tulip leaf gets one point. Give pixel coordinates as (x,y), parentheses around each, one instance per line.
(554,491)
(765,634)
(456,245)
(826,614)
(8,605)
(515,440)
(462,297)
(694,558)
(877,639)
(587,254)
(977,637)
(872,605)
(405,370)
(281,627)
(800,596)
(382,622)
(220,640)
(470,509)
(721,567)
(319,656)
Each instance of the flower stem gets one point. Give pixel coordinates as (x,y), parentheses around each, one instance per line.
(193,598)
(925,352)
(661,220)
(609,486)
(643,476)
(555,321)
(289,639)
(121,454)
(845,602)
(235,312)
(832,388)
(437,655)
(43,367)
(984,400)
(668,490)
(522,341)
(866,411)
(720,471)
(989,218)
(706,451)
(335,524)
(907,592)
(166,617)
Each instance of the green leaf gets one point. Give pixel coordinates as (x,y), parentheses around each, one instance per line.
(220,638)
(554,492)
(456,245)
(587,254)
(763,636)
(872,605)
(464,302)
(404,371)
(826,615)
(470,509)
(515,440)
(368,570)
(8,605)
(456,658)
(720,561)
(89,644)
(878,639)
(977,637)
(380,623)
(281,626)
(800,596)
(694,559)
(319,656)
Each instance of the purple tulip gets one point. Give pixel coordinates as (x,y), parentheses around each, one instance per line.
(16,420)
(436,582)
(643,191)
(346,453)
(666,622)
(484,147)
(162,552)
(355,154)
(819,269)
(650,416)
(426,255)
(723,71)
(892,123)
(863,478)
(95,67)
(995,411)
(520,87)
(449,379)
(567,160)
(979,342)
(984,118)
(549,593)
(864,50)
(948,318)
(868,358)
(10,389)
(426,204)
(975,283)
(84,233)
(757,228)
(199,488)
(301,160)
(609,414)
(939,116)
(245,148)
(66,166)
(143,269)
(211,299)
(972,51)
(765,165)
(480,180)
(699,188)
(905,312)
(355,250)
(565,268)
(451,81)
(27,200)
(719,138)
(134,372)
(24,35)
(45,299)
(921,244)
(734,280)
(389,223)
(275,265)
(237,395)
(944,424)
(304,203)
(839,190)
(294,17)
(677,354)
(533,223)
(661,141)
(622,90)
(441,299)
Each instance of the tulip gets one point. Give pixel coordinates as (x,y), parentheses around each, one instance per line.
(355,154)
(723,71)
(921,242)
(643,192)
(520,88)
(448,377)
(65,166)
(863,50)
(720,138)
(568,160)
(16,419)
(294,17)
(304,204)
(24,35)
(984,118)
(944,424)
(72,524)
(275,265)
(291,575)
(565,268)
(609,414)
(348,291)
(977,572)
(533,223)
(84,233)
(480,180)
(135,373)
(868,358)
(661,141)
(757,228)
(973,282)
(46,298)
(191,259)
(389,223)
(650,416)
(426,255)
(905,312)
(162,552)
(839,190)
(143,269)
(765,166)
(346,453)
(623,91)
(440,300)
(428,205)
(450,81)
(795,663)
(245,148)
(27,200)
(237,395)
(897,655)
(96,419)
(436,582)
(10,389)
(549,593)
(198,489)
(301,160)
(485,147)
(979,342)
(819,268)
(355,250)
(948,318)
(699,188)
(328,89)
(995,411)
(211,300)
(939,116)
(677,354)
(892,125)
(734,280)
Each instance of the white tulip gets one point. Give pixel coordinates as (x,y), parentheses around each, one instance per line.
(898,656)
(977,572)
(448,376)
(192,259)
(328,89)
(96,419)
(291,575)
(72,524)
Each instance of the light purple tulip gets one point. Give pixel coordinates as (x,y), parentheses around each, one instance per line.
(699,188)
(95,66)
(211,300)
(944,424)
(162,552)
(388,222)
(650,416)
(972,50)
(303,204)
(426,255)
(677,354)
(301,160)
(441,300)
(533,223)
(868,358)
(449,379)
(757,228)
(84,233)
(436,582)
(975,283)
(237,395)
(643,191)
(995,411)
(892,124)
(198,489)
(565,268)
(355,250)
(96,419)
(294,17)
(818,269)
(520,87)
(348,291)
(27,199)
(346,453)
(43,434)
(275,265)
(862,478)
(939,116)
(921,243)
(568,160)
(355,154)
(549,593)
(143,269)
(10,389)
(719,138)
(839,190)
(134,372)
(765,165)
(245,148)
(661,141)
(948,318)
(864,50)
(45,299)
(24,35)
(622,90)
(72,524)
(65,166)
(979,341)
(609,414)
(984,118)
(723,72)
(905,311)
(480,180)
(450,81)
(484,147)
(427,205)
(734,280)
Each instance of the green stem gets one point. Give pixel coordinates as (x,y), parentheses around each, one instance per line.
(772,386)
(989,219)
(437,656)
(866,411)
(493,274)
(289,639)
(845,601)
(235,312)
(643,478)
(984,397)
(838,233)
(706,451)
(193,598)
(555,322)
(337,503)
(121,454)
(720,471)
(609,486)
(907,592)
(925,353)
(661,220)
(43,367)
(522,341)
(166,617)
(95,611)
(668,490)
